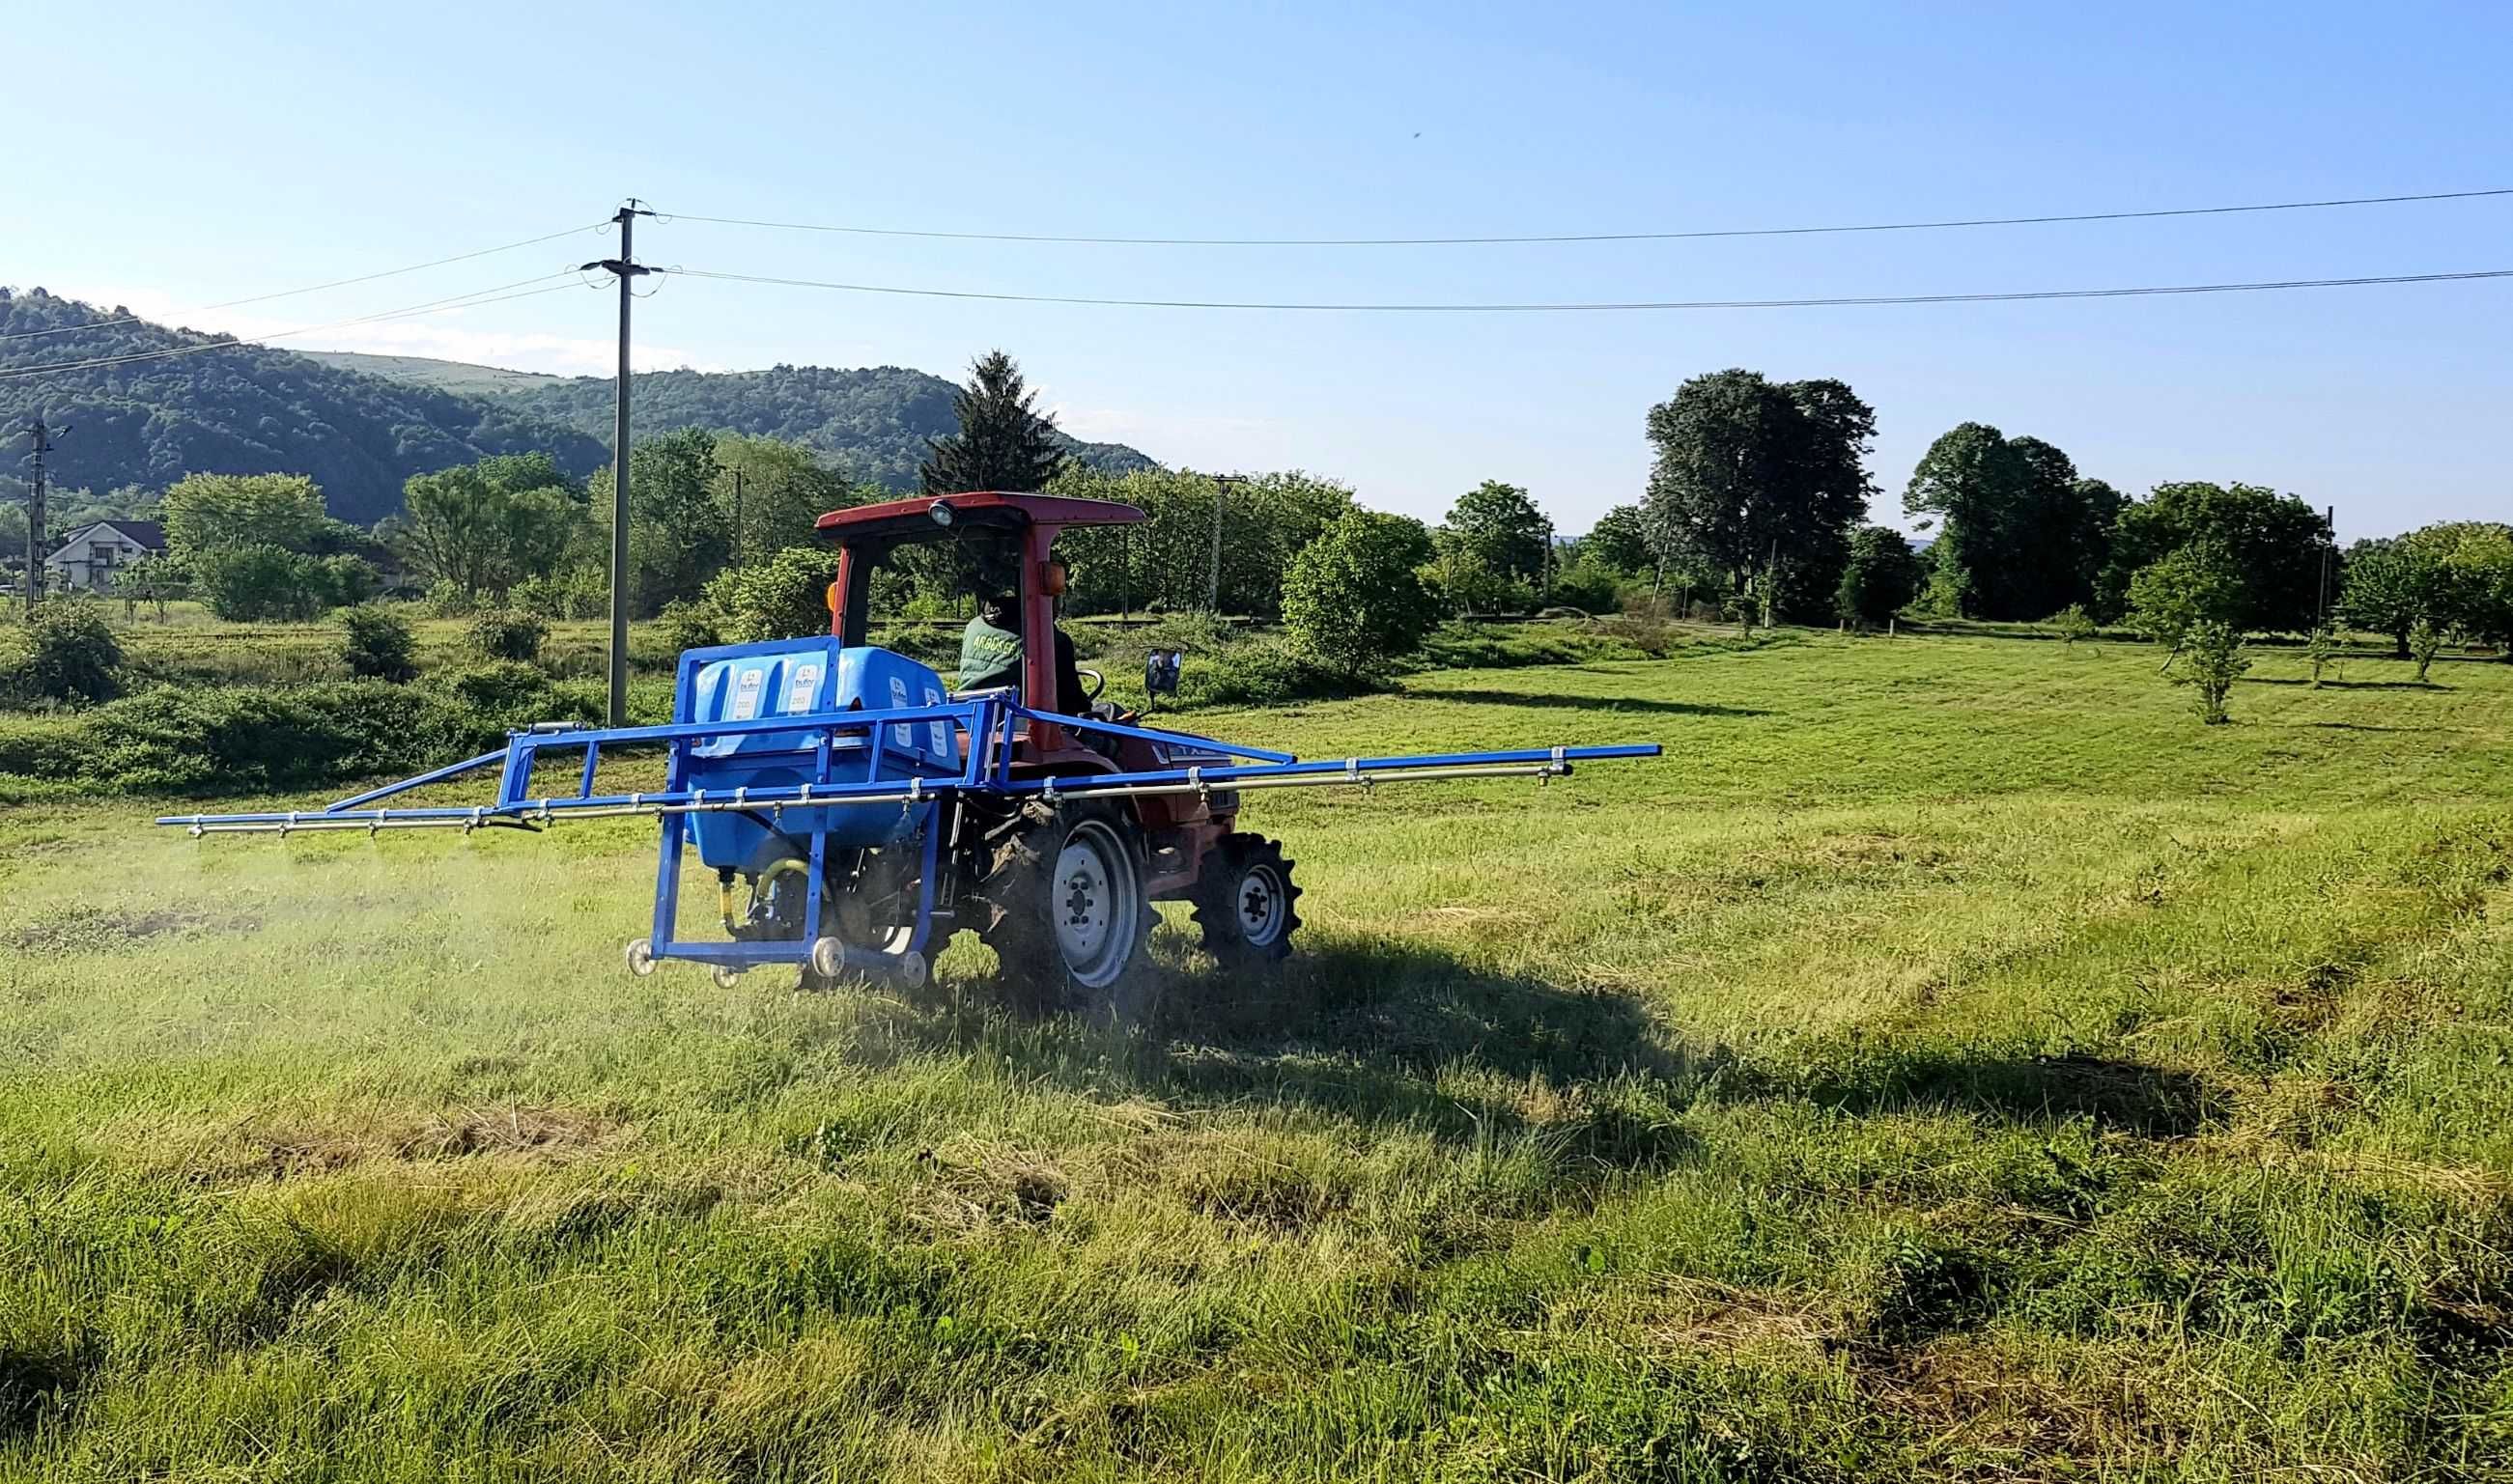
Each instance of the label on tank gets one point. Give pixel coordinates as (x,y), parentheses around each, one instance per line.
(904,733)
(746,685)
(805,688)
(937,729)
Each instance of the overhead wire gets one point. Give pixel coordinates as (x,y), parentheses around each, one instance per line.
(1576,307)
(1697,234)
(498,294)
(338,283)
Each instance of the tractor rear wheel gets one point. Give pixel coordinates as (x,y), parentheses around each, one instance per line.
(1246,902)
(1071,919)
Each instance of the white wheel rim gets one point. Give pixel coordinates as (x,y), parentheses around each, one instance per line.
(1260,903)
(1091,902)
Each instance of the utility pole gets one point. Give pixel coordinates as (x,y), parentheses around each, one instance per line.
(736,518)
(36,516)
(625,269)
(1222,484)
(2329,518)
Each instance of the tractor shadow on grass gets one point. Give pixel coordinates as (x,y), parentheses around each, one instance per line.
(2155,1102)
(1391,1034)
(1584,703)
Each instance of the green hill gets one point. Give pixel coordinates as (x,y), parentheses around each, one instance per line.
(425,370)
(361,424)
(873,422)
(244,409)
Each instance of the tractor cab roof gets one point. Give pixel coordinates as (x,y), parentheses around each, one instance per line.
(892,519)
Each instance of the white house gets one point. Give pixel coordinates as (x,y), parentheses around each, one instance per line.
(88,557)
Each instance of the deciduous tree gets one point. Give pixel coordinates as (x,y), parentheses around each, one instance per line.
(1760,480)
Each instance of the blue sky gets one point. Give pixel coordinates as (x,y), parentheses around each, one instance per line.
(172,155)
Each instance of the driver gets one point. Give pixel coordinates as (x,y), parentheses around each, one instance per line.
(990,653)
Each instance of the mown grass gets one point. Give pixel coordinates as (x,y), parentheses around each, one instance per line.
(1951,1060)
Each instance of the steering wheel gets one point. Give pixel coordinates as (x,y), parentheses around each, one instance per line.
(1093,682)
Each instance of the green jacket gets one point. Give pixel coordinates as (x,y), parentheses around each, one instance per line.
(988,656)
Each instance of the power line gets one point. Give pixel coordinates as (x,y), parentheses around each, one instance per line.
(338,283)
(1567,237)
(1590,308)
(474,300)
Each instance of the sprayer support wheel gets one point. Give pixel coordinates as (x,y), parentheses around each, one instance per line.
(641,958)
(725,975)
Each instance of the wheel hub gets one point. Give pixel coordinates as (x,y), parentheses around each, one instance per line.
(1260,905)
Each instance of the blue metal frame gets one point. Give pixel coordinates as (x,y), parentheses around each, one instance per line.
(990,721)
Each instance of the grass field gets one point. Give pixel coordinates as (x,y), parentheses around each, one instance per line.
(1950,1060)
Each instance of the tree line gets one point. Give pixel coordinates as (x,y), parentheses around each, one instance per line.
(1756,507)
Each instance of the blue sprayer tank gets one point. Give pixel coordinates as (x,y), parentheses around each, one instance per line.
(805,677)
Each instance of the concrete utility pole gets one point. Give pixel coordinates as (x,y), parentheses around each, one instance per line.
(625,266)
(2330,517)
(36,515)
(1222,484)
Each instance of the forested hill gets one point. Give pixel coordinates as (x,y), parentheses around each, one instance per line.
(244,409)
(872,423)
(360,425)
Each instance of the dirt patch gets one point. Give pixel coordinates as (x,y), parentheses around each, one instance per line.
(550,1134)
(83,928)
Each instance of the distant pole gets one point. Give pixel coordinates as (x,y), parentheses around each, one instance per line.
(37,517)
(1222,484)
(2330,517)
(625,269)
(736,518)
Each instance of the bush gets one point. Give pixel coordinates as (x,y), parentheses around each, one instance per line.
(787,597)
(2323,649)
(510,635)
(251,739)
(66,652)
(379,645)
(687,626)
(2213,653)
(1351,600)
(253,584)
(580,593)
(509,696)
(444,599)
(2072,623)
(2425,642)
(1266,672)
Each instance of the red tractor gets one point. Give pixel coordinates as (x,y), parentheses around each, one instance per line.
(1062,887)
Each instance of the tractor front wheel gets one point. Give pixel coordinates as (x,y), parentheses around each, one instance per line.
(1071,919)
(1246,902)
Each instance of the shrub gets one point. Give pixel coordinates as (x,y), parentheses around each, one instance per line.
(379,645)
(256,739)
(687,626)
(66,652)
(785,597)
(2072,623)
(444,599)
(1266,672)
(2213,653)
(262,583)
(2425,642)
(508,694)
(2322,648)
(580,593)
(506,634)
(1351,600)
